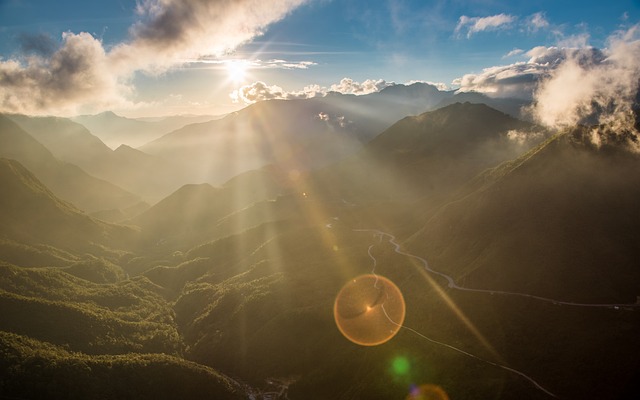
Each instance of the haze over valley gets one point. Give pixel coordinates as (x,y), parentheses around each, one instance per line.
(319,200)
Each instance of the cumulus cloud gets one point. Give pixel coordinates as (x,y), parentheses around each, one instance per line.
(520,79)
(259,91)
(590,84)
(78,72)
(474,25)
(172,29)
(513,80)
(349,86)
(438,85)
(81,71)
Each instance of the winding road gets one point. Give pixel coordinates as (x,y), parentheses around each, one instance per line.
(453,285)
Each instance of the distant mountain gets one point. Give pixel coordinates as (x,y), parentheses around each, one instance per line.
(65,139)
(428,155)
(67,181)
(560,222)
(150,177)
(512,106)
(293,134)
(115,130)
(191,215)
(31,214)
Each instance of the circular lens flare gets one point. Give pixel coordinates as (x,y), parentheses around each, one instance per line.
(369,310)
(428,392)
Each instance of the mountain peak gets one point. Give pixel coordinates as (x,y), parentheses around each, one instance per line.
(447,129)
(416,89)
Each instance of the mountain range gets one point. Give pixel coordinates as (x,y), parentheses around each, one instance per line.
(115,130)
(513,247)
(298,134)
(68,181)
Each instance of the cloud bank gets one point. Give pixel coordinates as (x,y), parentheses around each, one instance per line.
(259,91)
(593,84)
(80,70)
(521,79)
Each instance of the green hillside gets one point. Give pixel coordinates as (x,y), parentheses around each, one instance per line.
(564,210)
(31,214)
(35,369)
(240,280)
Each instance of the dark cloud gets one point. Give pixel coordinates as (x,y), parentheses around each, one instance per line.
(40,44)
(74,73)
(197,27)
(79,74)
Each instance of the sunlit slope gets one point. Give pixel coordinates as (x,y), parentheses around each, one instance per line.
(67,181)
(30,213)
(50,305)
(262,309)
(429,155)
(561,221)
(34,369)
(195,214)
(295,134)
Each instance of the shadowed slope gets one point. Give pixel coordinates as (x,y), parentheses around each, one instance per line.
(560,222)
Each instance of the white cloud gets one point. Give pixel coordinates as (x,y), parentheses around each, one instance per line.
(478,24)
(82,75)
(536,22)
(520,79)
(604,84)
(222,62)
(513,53)
(76,73)
(259,91)
(335,122)
(577,40)
(439,85)
(513,80)
(349,86)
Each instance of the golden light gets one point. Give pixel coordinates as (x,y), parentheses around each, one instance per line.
(428,392)
(237,70)
(369,310)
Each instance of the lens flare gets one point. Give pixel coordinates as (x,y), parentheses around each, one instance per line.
(400,366)
(369,310)
(427,392)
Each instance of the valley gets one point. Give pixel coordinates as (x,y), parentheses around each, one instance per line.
(514,254)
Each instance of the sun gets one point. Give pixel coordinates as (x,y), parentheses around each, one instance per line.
(237,70)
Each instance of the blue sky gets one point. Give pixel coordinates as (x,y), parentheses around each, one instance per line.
(288,47)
